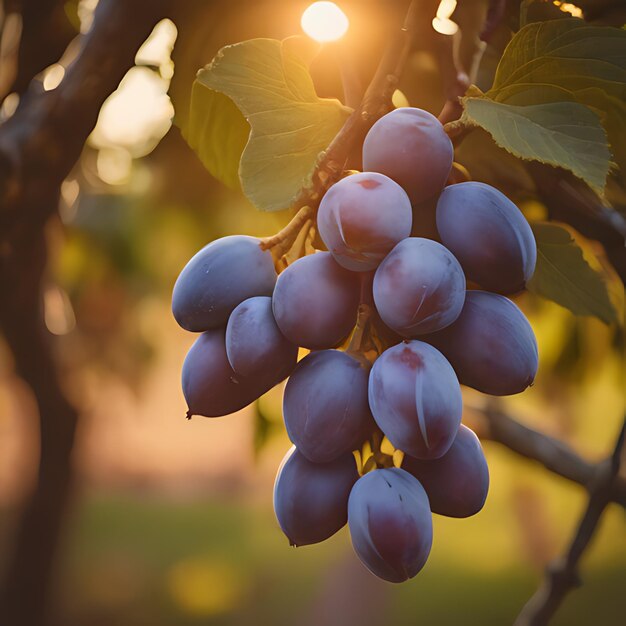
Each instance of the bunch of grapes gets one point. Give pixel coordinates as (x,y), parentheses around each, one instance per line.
(392,330)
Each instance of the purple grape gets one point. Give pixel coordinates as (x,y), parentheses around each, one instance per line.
(254,344)
(362,217)
(415,399)
(310,500)
(489,236)
(315,301)
(491,346)
(419,287)
(218,278)
(210,386)
(458,482)
(390,523)
(325,405)
(410,146)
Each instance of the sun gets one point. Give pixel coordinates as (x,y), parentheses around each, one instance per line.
(324,21)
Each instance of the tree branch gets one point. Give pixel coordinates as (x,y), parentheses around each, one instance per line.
(38,147)
(493,424)
(571,201)
(562,575)
(375,103)
(45,34)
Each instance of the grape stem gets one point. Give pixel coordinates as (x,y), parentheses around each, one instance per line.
(289,233)
(293,241)
(360,338)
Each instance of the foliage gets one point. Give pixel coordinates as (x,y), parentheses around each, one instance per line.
(558,97)
(563,275)
(290,125)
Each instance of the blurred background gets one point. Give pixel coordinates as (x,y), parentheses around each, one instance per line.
(172,522)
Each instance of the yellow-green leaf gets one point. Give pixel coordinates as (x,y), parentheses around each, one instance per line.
(564,276)
(218,132)
(269,83)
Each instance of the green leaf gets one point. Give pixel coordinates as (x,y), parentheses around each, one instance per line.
(218,132)
(564,276)
(563,134)
(560,39)
(269,83)
(561,63)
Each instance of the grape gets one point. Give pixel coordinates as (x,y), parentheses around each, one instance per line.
(419,287)
(210,386)
(325,405)
(362,217)
(315,301)
(415,399)
(218,278)
(489,236)
(410,146)
(254,344)
(311,501)
(390,523)
(491,346)
(458,482)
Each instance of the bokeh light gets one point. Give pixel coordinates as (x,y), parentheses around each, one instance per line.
(442,22)
(324,21)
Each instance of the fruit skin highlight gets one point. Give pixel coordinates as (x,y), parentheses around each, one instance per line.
(362,217)
(224,273)
(415,399)
(419,288)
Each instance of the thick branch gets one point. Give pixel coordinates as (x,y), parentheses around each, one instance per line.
(46,134)
(38,147)
(46,32)
(556,456)
(562,575)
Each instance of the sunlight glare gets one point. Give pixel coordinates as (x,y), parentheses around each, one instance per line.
(442,22)
(52,76)
(567,7)
(324,21)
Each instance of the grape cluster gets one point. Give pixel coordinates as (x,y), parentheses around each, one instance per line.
(386,393)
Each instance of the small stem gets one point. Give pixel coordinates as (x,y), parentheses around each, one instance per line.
(290,231)
(298,248)
(359,336)
(309,247)
(457,130)
(290,243)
